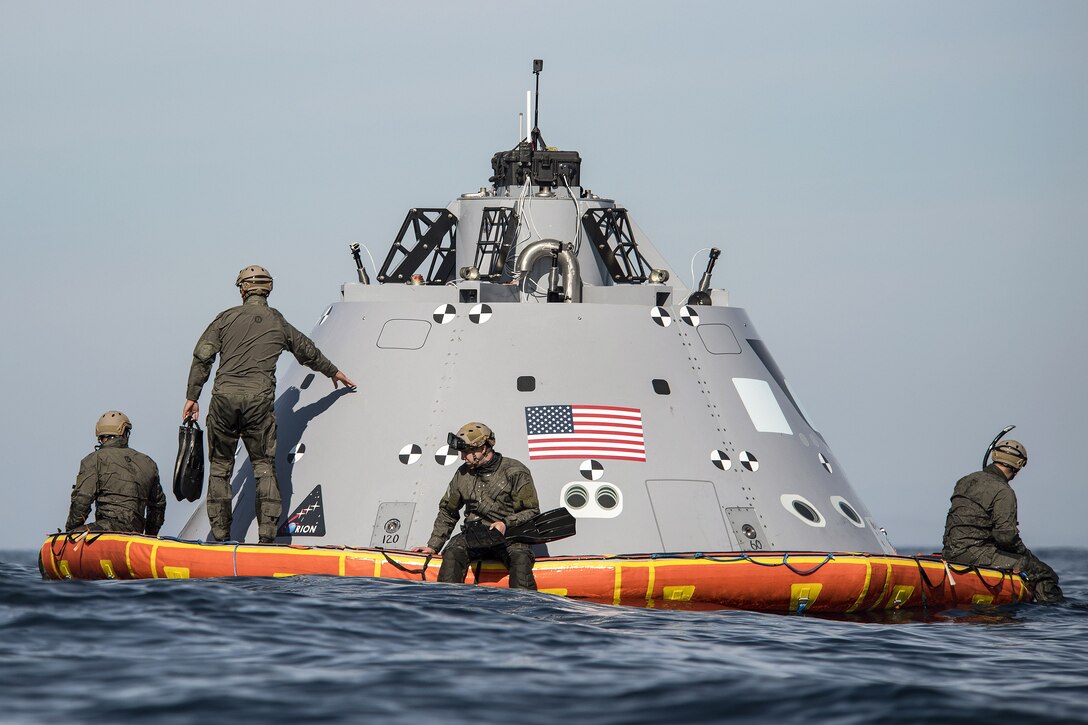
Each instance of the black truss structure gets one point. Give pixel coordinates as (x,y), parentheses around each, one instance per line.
(610,232)
(435,232)
(498,230)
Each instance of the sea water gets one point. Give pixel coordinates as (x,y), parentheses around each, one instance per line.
(326,649)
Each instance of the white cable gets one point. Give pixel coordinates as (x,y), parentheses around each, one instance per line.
(372,265)
(692,288)
(577,216)
(527,207)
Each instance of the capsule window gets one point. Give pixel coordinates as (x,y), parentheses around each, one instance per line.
(848,512)
(306,381)
(661,387)
(762,407)
(526,383)
(803,509)
(806,511)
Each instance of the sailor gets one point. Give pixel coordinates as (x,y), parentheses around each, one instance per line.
(981,527)
(122,483)
(497,493)
(248,340)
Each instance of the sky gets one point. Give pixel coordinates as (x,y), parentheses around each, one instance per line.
(899,191)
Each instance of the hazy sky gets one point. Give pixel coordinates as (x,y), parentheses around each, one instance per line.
(900,193)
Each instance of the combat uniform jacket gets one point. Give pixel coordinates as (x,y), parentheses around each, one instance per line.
(124,485)
(249,339)
(500,490)
(982,519)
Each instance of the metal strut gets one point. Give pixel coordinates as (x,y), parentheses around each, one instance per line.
(498,230)
(613,238)
(435,232)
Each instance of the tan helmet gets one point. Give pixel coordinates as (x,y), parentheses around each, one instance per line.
(474,435)
(1011,453)
(112,423)
(254,279)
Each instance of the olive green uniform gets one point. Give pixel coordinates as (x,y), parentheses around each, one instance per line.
(248,340)
(982,530)
(124,486)
(500,490)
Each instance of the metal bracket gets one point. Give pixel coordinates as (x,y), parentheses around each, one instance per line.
(431,228)
(612,237)
(498,230)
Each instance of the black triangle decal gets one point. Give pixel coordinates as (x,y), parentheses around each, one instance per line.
(308,519)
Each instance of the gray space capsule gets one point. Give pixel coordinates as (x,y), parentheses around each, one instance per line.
(653,412)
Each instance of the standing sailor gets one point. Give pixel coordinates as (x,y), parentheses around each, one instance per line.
(982,528)
(248,339)
(121,482)
(497,493)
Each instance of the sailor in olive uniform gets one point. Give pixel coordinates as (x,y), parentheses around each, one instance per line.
(248,340)
(497,493)
(982,528)
(122,483)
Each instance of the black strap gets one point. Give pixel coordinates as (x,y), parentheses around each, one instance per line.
(422,572)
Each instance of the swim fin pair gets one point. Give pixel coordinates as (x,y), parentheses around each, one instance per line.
(189,467)
(542,528)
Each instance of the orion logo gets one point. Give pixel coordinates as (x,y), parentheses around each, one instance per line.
(308,519)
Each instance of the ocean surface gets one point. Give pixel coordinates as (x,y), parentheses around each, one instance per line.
(324,649)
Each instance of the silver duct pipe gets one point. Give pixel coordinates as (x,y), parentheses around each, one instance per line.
(568,264)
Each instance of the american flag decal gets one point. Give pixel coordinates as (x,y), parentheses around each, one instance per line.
(584,431)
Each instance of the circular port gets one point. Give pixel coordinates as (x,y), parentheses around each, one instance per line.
(577,497)
(607,498)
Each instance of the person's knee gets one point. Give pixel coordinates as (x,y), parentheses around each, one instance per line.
(454,566)
(264,469)
(1047,591)
(220,468)
(521,567)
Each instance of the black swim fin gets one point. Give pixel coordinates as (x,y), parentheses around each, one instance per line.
(544,527)
(189,467)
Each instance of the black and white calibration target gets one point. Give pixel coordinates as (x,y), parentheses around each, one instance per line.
(748,460)
(480,314)
(297,453)
(410,454)
(591,470)
(721,459)
(444,313)
(445,456)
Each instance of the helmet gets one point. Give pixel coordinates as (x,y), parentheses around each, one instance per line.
(1011,453)
(471,435)
(112,423)
(254,279)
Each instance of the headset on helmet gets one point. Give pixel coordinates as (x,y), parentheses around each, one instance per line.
(112,423)
(254,279)
(471,435)
(1011,453)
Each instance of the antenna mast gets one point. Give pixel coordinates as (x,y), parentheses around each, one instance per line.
(537,139)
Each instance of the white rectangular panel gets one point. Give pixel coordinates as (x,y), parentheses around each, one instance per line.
(763,409)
